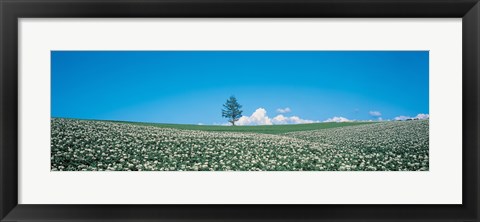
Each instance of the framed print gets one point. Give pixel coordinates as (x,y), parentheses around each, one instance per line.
(226,110)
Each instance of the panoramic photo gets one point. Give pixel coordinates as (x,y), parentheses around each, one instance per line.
(239,111)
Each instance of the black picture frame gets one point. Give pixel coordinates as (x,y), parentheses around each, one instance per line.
(12,10)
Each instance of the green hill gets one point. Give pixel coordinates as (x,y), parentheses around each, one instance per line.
(266,129)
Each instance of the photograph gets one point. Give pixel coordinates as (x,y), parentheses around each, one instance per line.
(239,110)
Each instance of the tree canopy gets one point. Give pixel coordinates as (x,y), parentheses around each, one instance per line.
(232,110)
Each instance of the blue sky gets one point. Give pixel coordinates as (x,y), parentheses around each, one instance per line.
(191,86)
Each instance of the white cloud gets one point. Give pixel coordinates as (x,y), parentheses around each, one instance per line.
(419,116)
(337,119)
(297,120)
(259,117)
(422,116)
(284,110)
(281,119)
(375,113)
(402,117)
(222,124)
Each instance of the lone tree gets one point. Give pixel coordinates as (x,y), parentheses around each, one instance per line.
(231,110)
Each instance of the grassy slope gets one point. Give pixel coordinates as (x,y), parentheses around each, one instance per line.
(272,129)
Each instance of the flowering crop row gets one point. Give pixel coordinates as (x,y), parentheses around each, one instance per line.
(81,145)
(399,145)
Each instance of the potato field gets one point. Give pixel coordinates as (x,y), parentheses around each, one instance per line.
(87,145)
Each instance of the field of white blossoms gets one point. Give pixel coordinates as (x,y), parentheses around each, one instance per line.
(82,145)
